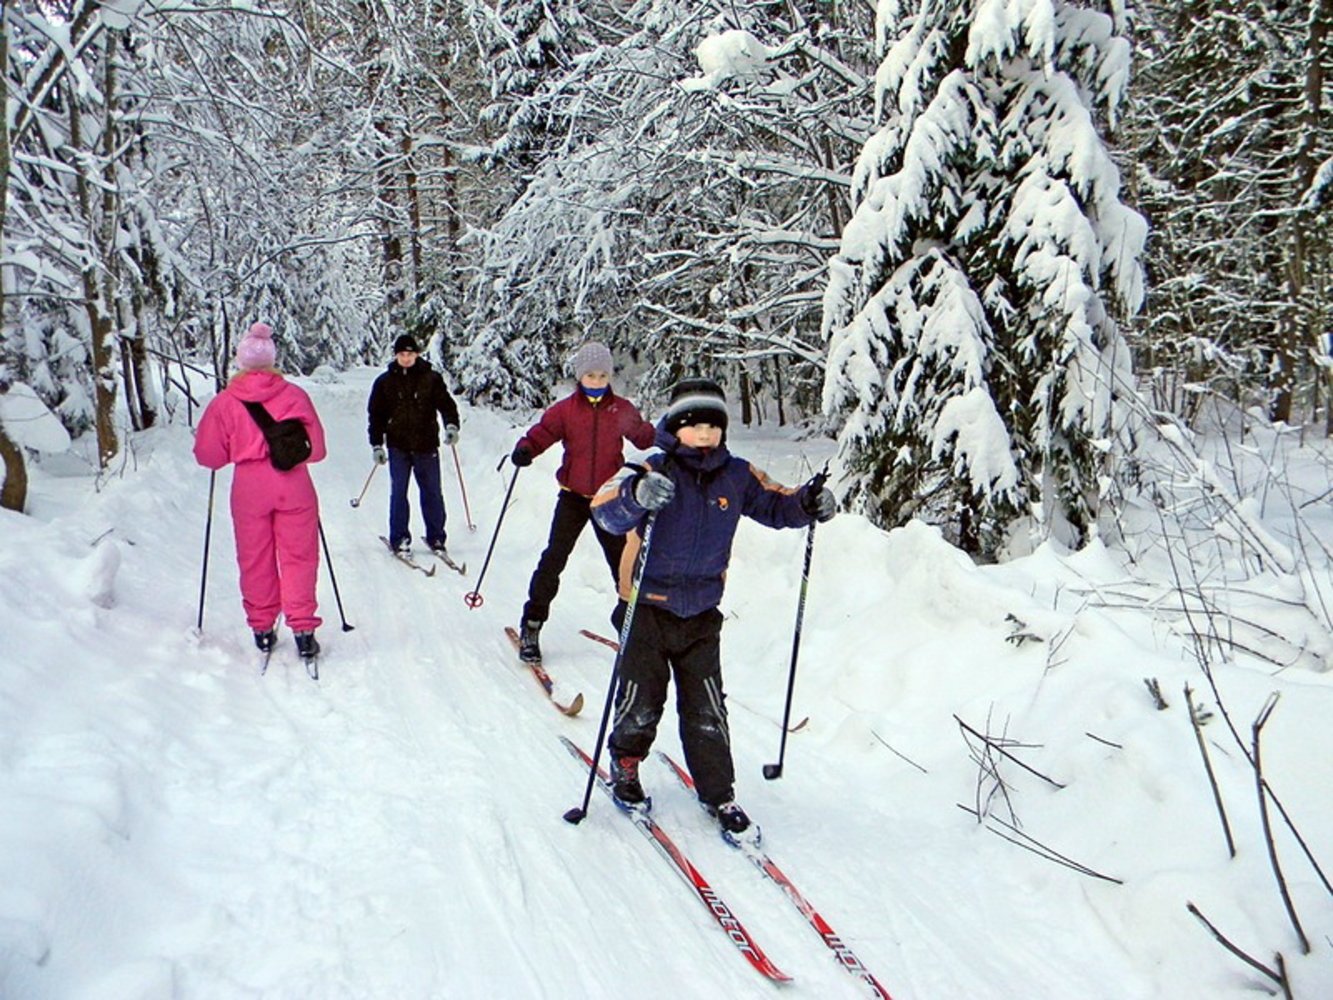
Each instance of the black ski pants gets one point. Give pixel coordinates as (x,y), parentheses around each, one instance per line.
(660,645)
(572,512)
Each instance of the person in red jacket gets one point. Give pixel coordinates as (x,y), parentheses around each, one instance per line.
(592,421)
(275,514)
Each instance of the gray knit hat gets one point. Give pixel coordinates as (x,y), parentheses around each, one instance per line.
(593,356)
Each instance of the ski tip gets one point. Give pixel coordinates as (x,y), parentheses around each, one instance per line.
(575,706)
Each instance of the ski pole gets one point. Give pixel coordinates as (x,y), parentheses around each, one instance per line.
(208,534)
(473,598)
(577,814)
(356,500)
(336,596)
(772,771)
(462,488)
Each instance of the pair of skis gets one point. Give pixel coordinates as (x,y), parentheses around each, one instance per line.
(311,664)
(409,561)
(726,919)
(747,845)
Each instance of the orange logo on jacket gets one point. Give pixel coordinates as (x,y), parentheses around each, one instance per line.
(723,503)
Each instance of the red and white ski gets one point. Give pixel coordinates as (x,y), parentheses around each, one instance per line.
(844,955)
(727,920)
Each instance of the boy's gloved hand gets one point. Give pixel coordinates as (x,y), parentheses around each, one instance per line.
(450,435)
(653,491)
(381,456)
(819,502)
(521,456)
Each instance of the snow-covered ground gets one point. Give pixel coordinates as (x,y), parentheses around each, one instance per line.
(174,825)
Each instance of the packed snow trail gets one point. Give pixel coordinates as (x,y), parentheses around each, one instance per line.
(179,826)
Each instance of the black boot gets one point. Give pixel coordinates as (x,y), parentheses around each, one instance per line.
(266,639)
(529,650)
(306,645)
(625,779)
(730,816)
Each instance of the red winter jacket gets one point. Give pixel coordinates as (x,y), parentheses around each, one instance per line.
(592,434)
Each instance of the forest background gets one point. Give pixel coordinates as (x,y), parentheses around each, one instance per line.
(995,249)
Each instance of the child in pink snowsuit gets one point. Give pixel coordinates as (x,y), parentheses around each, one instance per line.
(275,513)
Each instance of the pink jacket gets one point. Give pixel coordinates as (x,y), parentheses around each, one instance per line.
(227,432)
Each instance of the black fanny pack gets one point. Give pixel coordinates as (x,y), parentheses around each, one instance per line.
(288,442)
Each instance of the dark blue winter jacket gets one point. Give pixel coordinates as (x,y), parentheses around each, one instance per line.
(691,540)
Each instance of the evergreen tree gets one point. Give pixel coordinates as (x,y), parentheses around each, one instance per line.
(974,361)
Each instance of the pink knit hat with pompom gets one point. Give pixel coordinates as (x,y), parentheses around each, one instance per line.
(256,349)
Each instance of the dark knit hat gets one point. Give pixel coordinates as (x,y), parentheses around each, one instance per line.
(406,342)
(696,401)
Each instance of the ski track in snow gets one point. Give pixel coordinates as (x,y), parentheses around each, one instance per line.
(191,829)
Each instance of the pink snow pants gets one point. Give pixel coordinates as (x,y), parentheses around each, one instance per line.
(276,516)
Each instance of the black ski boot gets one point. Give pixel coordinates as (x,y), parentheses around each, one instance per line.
(625,784)
(529,650)
(306,645)
(730,816)
(266,640)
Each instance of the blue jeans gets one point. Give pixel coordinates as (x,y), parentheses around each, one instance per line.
(425,466)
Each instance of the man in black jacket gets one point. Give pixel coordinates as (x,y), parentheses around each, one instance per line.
(402,408)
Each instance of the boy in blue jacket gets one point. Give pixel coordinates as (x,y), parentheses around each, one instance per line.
(699,491)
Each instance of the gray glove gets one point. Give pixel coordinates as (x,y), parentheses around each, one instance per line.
(653,491)
(450,435)
(819,503)
(381,456)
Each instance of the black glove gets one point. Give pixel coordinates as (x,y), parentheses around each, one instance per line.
(522,455)
(653,491)
(819,502)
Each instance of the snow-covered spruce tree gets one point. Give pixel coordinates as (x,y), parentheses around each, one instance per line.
(974,360)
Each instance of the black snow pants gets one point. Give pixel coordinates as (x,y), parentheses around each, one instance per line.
(572,512)
(660,645)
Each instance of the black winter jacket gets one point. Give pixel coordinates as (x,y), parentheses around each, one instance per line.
(403,404)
